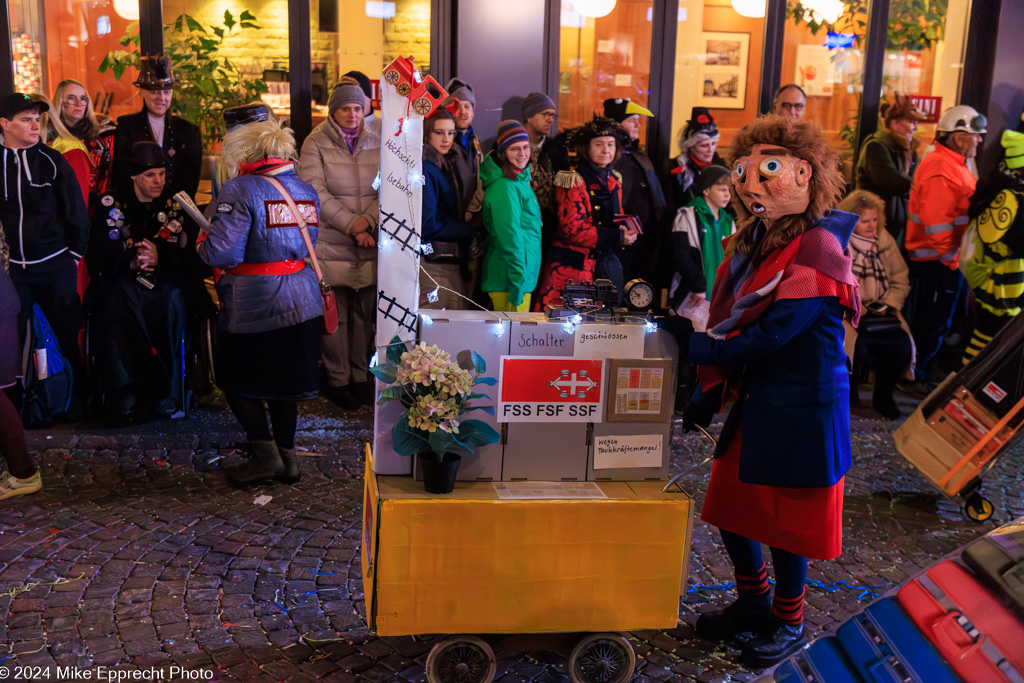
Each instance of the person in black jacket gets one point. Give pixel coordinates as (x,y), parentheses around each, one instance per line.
(147,283)
(179,139)
(46,222)
(699,143)
(642,195)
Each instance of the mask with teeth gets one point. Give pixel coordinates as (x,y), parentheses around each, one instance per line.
(772,183)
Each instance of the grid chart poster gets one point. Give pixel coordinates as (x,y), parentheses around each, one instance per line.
(550,389)
(638,390)
(401,199)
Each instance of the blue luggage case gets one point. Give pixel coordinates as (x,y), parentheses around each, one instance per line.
(886,647)
(822,662)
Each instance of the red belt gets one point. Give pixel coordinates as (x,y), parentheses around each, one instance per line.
(273,268)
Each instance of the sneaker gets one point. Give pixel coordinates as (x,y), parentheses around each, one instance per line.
(11,486)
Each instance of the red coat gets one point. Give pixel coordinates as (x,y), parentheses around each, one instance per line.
(571,256)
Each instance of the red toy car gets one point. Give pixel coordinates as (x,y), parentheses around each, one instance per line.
(425,96)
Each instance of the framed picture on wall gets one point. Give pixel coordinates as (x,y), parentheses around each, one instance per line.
(722,80)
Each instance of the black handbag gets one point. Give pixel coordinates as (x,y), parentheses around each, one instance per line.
(873,324)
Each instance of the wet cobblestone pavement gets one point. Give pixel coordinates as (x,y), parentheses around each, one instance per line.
(139,554)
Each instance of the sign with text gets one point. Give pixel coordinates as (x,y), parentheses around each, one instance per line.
(547,389)
(599,340)
(931,107)
(639,450)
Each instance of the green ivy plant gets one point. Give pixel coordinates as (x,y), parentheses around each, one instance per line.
(914,25)
(206,82)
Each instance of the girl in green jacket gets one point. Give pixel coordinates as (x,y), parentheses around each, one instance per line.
(512,218)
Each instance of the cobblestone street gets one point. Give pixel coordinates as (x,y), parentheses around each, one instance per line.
(139,554)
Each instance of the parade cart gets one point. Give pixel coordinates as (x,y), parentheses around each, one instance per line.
(476,562)
(959,430)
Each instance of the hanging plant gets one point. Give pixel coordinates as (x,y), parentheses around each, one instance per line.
(914,25)
(206,82)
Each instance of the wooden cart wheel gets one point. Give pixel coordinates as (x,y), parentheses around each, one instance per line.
(422,106)
(403,89)
(461,659)
(602,658)
(978,508)
(392,76)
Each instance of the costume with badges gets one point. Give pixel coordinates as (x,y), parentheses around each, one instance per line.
(140,318)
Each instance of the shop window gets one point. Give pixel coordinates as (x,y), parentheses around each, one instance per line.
(823,53)
(924,56)
(605,52)
(54,40)
(719,44)
(365,36)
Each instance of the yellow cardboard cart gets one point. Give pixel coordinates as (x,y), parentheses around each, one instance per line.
(476,562)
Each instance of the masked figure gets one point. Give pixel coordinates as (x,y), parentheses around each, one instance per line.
(774,349)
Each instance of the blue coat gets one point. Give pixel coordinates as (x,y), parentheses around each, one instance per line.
(242,232)
(794,409)
(442,217)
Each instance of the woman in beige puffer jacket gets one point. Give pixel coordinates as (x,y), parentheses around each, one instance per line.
(340,159)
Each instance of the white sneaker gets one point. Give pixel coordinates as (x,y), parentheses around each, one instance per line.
(11,486)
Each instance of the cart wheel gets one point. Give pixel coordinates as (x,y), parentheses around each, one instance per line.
(978,508)
(392,76)
(461,659)
(602,658)
(422,106)
(403,89)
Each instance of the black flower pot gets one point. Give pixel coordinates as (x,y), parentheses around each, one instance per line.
(439,477)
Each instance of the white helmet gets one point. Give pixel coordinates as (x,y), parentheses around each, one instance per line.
(964,119)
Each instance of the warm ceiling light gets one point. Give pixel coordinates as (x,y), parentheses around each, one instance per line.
(749,8)
(127,9)
(827,11)
(595,9)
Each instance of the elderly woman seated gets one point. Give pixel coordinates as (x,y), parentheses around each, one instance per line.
(147,285)
(882,339)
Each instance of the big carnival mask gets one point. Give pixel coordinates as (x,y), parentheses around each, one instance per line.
(772,183)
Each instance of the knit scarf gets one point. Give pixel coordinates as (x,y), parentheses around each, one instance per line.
(350,137)
(814,264)
(868,268)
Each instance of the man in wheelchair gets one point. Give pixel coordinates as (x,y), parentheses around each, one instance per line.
(147,289)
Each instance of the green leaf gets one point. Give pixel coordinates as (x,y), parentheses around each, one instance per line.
(105,64)
(194,25)
(477,433)
(389,394)
(246,16)
(395,350)
(406,440)
(489,381)
(218,31)
(441,442)
(470,397)
(229,20)
(486,409)
(478,361)
(386,373)
(249,24)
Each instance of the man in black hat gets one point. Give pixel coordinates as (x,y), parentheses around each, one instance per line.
(146,288)
(180,140)
(45,220)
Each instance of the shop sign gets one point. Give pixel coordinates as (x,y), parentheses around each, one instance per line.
(547,389)
(835,41)
(931,107)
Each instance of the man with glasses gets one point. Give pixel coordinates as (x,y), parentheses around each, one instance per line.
(179,139)
(539,118)
(790,100)
(940,198)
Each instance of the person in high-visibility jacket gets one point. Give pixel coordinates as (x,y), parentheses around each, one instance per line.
(940,198)
(994,262)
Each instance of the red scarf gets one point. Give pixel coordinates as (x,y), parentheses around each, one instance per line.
(812,265)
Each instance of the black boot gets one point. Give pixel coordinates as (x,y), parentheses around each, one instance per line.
(291,466)
(776,643)
(737,622)
(265,463)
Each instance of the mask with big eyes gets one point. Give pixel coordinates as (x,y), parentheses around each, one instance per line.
(772,183)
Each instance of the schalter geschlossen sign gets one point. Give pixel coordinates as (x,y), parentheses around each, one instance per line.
(550,389)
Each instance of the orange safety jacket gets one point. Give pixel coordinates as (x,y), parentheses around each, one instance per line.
(939,199)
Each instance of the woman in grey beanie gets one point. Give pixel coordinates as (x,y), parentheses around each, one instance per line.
(340,159)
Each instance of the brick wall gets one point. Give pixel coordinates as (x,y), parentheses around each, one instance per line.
(408,33)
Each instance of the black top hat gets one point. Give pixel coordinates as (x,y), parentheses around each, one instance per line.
(701,121)
(15,103)
(155,73)
(598,127)
(246,113)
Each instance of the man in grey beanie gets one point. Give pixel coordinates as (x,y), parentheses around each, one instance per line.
(466,153)
(539,118)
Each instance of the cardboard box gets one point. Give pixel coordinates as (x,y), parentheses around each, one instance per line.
(553,451)
(470,562)
(460,333)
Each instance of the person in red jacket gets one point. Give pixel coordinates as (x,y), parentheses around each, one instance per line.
(940,198)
